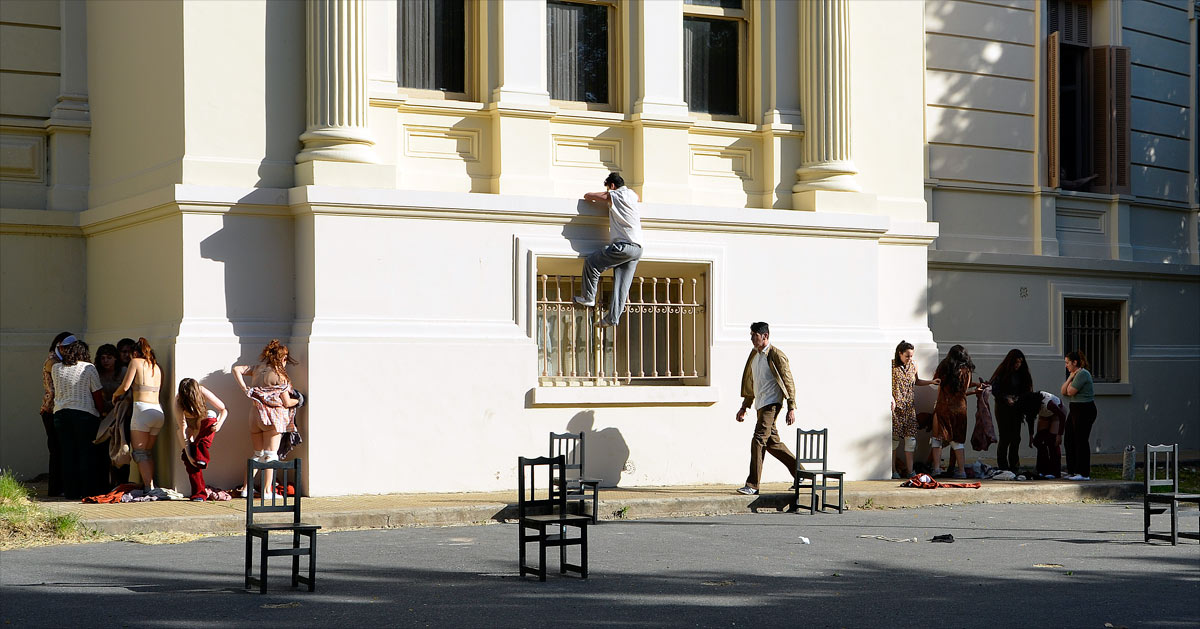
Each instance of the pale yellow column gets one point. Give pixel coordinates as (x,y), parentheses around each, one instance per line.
(69,126)
(337,84)
(825,98)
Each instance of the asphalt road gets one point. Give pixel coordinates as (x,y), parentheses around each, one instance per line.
(1080,565)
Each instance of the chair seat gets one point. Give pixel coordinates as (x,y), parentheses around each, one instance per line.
(558,518)
(282,526)
(1173,497)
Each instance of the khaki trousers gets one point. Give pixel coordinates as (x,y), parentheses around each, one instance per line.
(766,439)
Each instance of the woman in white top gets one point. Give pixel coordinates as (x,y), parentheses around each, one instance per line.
(78,398)
(145,377)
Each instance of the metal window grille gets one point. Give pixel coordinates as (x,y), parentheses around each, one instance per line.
(1095,329)
(662,337)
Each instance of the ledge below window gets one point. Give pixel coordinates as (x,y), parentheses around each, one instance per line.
(1112,388)
(624,396)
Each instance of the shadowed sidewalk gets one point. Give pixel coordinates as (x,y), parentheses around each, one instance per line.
(395,510)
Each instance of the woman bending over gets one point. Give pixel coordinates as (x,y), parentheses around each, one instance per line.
(198,424)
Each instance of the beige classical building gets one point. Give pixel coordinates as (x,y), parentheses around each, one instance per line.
(393,189)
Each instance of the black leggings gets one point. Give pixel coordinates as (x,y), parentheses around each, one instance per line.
(1079,427)
(1008,428)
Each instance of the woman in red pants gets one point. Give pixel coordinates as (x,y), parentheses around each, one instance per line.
(198,424)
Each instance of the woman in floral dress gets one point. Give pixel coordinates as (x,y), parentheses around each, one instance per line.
(904,409)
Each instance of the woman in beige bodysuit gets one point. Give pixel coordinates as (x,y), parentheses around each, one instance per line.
(143,379)
(272,407)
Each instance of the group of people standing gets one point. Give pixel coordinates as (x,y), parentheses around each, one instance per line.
(1016,403)
(126,381)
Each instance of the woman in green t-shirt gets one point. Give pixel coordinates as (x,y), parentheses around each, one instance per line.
(1079,392)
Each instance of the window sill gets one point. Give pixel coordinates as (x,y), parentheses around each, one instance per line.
(625,396)
(1112,388)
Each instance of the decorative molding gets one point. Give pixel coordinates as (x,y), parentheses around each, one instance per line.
(442,143)
(719,161)
(580,396)
(23,158)
(336,83)
(584,152)
(965,261)
(1080,220)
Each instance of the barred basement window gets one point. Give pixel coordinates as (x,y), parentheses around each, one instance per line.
(1094,327)
(713,34)
(578,63)
(662,338)
(432,46)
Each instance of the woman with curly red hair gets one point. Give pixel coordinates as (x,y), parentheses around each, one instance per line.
(272,407)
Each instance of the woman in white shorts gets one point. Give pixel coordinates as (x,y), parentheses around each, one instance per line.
(143,379)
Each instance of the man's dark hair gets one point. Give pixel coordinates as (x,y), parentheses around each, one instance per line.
(126,342)
(760,327)
(614,179)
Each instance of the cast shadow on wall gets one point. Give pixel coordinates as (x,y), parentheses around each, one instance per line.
(605,450)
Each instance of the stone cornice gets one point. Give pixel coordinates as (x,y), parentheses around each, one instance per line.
(1057,265)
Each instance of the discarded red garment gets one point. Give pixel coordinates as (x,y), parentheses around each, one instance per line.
(984,434)
(925,481)
(279,490)
(111,497)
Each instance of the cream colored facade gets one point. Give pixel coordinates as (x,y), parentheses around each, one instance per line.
(254,171)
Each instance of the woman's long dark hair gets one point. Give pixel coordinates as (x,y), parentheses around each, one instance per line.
(191,399)
(58,339)
(1008,367)
(948,369)
(904,346)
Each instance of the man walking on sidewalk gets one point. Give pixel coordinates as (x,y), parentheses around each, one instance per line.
(767,378)
(623,252)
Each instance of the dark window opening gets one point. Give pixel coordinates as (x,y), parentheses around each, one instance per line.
(1094,327)
(710,58)
(432,44)
(577,51)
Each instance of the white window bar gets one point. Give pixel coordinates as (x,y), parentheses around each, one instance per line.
(659,335)
(1095,329)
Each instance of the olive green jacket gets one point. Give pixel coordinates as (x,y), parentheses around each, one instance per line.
(783,377)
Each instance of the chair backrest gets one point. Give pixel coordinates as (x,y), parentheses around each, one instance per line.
(812,446)
(531,501)
(570,446)
(285,472)
(1162,466)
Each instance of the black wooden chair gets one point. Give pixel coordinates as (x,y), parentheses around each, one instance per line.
(812,447)
(285,471)
(545,511)
(1162,470)
(579,489)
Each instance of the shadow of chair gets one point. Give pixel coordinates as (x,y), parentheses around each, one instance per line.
(1162,470)
(812,447)
(262,530)
(542,515)
(578,489)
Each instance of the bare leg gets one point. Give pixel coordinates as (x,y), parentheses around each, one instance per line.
(270,442)
(908,463)
(935,452)
(144,441)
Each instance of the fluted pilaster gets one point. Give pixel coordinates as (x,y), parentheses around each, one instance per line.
(337,83)
(825,97)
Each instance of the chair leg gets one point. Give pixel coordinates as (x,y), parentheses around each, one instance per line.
(295,559)
(812,500)
(521,548)
(1174,523)
(262,568)
(562,549)
(1146,517)
(542,554)
(249,558)
(312,562)
(583,552)
(595,506)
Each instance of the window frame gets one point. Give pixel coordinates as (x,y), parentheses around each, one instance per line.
(614,61)
(1063,292)
(743,17)
(471,54)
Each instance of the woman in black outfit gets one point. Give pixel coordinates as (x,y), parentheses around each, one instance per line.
(1010,382)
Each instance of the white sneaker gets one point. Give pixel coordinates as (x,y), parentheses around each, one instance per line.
(585,303)
(748,491)
(242,493)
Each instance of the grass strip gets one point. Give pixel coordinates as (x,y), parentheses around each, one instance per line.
(24,524)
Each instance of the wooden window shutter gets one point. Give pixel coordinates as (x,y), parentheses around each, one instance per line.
(1120,126)
(1053,159)
(1070,18)
(1102,107)
(1110,119)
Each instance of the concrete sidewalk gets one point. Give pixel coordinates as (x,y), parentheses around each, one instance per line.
(396,510)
